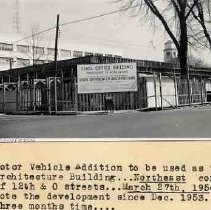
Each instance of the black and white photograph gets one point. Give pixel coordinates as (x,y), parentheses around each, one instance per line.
(105,69)
(105,104)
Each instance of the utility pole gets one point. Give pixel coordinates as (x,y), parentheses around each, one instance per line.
(11,62)
(55,62)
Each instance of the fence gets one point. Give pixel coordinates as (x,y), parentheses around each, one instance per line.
(154,91)
(192,90)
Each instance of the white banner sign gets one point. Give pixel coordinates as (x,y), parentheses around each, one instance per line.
(101,78)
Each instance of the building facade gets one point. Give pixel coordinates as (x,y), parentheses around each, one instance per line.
(23,53)
(170,52)
(38,88)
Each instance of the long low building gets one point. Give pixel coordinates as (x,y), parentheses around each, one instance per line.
(16,52)
(98,83)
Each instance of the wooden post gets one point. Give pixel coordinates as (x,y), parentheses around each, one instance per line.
(175,90)
(1,103)
(72,91)
(161,91)
(27,93)
(132,104)
(201,83)
(55,93)
(34,93)
(76,94)
(4,98)
(31,93)
(49,94)
(18,95)
(55,62)
(155,89)
(62,90)
(189,89)
(34,96)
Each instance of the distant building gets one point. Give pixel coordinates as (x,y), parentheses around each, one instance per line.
(170,52)
(171,56)
(19,54)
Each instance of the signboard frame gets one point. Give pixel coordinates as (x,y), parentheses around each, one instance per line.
(103,78)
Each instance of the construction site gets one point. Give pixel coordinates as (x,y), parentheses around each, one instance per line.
(39,89)
(93,82)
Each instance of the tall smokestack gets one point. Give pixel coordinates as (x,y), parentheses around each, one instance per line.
(16,17)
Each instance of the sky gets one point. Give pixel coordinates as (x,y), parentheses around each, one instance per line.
(129,35)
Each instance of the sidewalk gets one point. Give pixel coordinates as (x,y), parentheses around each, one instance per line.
(103,112)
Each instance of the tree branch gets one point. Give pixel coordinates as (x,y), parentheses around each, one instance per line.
(155,11)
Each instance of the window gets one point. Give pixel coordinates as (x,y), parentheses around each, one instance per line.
(168,54)
(108,55)
(23,62)
(6,47)
(37,62)
(66,53)
(49,61)
(23,48)
(77,54)
(88,53)
(98,54)
(4,60)
(51,51)
(117,56)
(38,50)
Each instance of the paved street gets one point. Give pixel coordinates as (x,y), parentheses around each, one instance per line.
(192,122)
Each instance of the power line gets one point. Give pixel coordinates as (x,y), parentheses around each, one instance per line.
(77,21)
(104,14)
(97,16)
(36,34)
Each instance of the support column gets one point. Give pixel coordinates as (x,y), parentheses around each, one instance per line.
(4,98)
(49,94)
(31,93)
(28,92)
(18,95)
(161,91)
(55,62)
(155,89)
(189,89)
(34,96)
(175,89)
(76,94)
(55,93)
(201,83)
(62,80)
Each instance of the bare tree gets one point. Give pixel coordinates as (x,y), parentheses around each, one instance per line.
(177,18)
(37,43)
(192,61)
(202,13)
